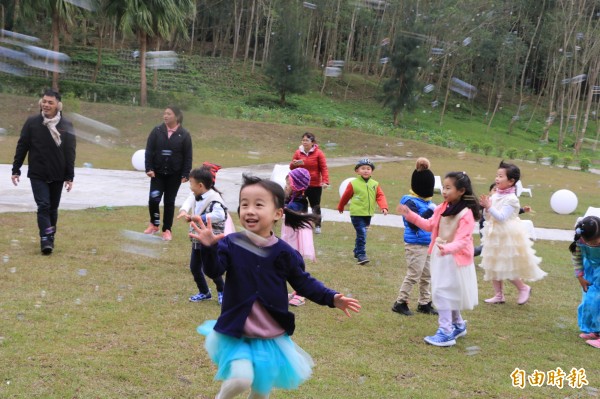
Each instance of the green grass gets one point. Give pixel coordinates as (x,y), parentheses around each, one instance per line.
(67,335)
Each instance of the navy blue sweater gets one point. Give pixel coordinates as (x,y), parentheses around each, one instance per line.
(253,273)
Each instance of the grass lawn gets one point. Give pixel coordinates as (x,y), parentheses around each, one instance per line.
(95,320)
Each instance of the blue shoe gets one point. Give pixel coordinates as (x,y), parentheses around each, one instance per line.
(362,260)
(199,297)
(220,297)
(459,330)
(441,339)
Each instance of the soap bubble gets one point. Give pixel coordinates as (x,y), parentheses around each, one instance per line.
(333,72)
(472,350)
(161,59)
(463,88)
(466,41)
(155,193)
(85,4)
(5,258)
(82,272)
(88,165)
(429,88)
(43,294)
(77,301)
(12,270)
(93,251)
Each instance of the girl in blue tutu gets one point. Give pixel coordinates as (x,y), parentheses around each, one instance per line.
(585,251)
(250,342)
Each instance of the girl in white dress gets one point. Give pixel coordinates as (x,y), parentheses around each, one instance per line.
(453,278)
(507,250)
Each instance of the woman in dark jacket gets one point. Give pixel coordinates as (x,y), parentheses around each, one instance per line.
(168,164)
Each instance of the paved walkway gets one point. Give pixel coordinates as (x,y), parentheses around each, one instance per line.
(102,187)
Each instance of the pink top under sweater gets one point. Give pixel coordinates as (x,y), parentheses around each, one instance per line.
(461,247)
(260,324)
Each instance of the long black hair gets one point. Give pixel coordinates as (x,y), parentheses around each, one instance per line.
(293,219)
(587,228)
(462,181)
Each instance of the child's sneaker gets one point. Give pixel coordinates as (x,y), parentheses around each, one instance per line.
(362,260)
(199,297)
(402,308)
(459,330)
(220,297)
(441,339)
(587,336)
(595,343)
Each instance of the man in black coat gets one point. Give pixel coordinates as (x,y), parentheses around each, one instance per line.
(48,140)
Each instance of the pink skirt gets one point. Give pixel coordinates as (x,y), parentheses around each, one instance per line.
(301,240)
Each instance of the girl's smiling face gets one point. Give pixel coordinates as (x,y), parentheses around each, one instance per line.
(258,213)
(502,181)
(450,193)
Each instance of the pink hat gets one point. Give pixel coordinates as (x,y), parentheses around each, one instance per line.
(299,179)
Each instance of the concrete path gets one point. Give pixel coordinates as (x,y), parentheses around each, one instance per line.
(101,187)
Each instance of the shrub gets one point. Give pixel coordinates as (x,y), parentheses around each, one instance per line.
(553,159)
(567,160)
(512,153)
(500,151)
(71,102)
(525,154)
(487,148)
(538,156)
(475,146)
(584,164)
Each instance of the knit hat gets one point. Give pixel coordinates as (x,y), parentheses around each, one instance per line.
(422,180)
(364,161)
(299,179)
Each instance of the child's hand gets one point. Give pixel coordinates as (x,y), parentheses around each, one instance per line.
(526,209)
(184,214)
(441,249)
(204,232)
(384,211)
(484,201)
(584,283)
(346,304)
(402,209)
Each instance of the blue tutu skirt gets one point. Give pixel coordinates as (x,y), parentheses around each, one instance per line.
(277,362)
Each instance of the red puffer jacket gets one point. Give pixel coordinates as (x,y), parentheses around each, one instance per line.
(315,163)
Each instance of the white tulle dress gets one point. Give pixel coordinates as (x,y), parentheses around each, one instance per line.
(508,252)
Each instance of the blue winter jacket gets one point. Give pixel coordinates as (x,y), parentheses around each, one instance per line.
(413,234)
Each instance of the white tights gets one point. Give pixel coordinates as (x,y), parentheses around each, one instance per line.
(242,375)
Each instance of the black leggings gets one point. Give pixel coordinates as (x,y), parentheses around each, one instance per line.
(167,185)
(313,194)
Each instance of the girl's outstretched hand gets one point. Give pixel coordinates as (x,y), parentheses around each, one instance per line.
(204,232)
(346,304)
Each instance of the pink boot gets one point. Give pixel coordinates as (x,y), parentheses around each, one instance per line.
(595,343)
(524,291)
(499,297)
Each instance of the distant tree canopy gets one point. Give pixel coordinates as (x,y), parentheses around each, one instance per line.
(527,52)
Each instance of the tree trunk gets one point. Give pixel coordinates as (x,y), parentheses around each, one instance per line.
(350,38)
(193,31)
(249,32)
(99,57)
(593,75)
(55,46)
(155,71)
(268,26)
(237,27)
(514,119)
(256,25)
(143,39)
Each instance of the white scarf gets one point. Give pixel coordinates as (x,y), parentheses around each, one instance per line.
(51,125)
